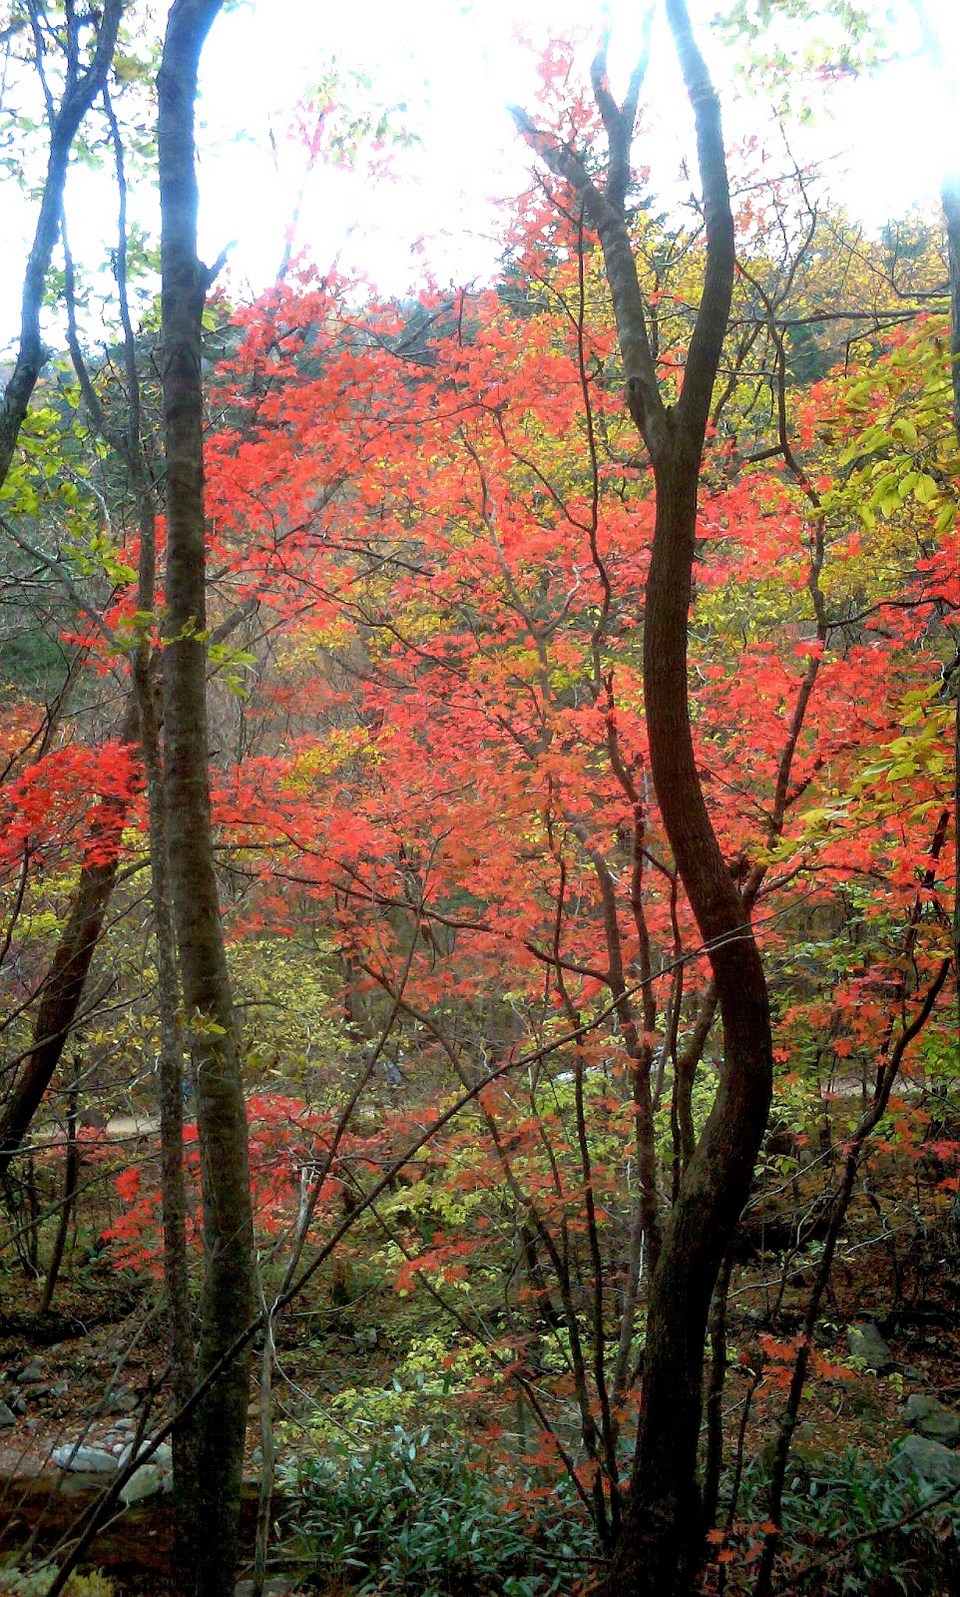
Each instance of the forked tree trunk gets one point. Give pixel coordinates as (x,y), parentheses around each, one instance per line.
(661,1543)
(227,1303)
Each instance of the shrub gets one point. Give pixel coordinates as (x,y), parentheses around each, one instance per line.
(421,1520)
(832,1501)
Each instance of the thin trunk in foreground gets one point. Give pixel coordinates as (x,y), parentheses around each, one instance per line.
(80,90)
(661,1543)
(227,1303)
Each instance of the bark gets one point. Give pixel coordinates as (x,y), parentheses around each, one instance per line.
(64,986)
(951,211)
(71,1178)
(227,1303)
(176,1271)
(661,1542)
(80,91)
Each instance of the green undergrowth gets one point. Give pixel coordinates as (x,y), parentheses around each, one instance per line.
(853,1527)
(419,1516)
(35,1582)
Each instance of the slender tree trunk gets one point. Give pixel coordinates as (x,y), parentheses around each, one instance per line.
(64,986)
(951,211)
(173,1186)
(661,1541)
(71,1180)
(79,93)
(662,1536)
(228,1290)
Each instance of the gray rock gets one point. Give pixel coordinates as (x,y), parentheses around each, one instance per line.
(162,1456)
(34,1371)
(60,1389)
(7,1416)
(94,1459)
(119,1400)
(865,1342)
(932,1419)
(928,1461)
(144,1482)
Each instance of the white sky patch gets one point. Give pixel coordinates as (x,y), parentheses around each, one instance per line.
(884,142)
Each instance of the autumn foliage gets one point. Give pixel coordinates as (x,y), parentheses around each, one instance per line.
(430,523)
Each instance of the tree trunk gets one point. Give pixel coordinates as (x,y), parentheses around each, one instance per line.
(64,985)
(80,91)
(662,1537)
(228,1290)
(951,212)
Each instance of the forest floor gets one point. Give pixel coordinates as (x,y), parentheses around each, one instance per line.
(81,1371)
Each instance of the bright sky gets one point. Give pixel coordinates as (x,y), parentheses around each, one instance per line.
(455,65)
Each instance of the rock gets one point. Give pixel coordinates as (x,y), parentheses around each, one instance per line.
(94,1459)
(865,1342)
(145,1482)
(932,1419)
(119,1400)
(7,1416)
(60,1389)
(367,1338)
(162,1456)
(34,1371)
(928,1461)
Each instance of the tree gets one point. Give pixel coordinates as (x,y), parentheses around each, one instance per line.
(468,643)
(661,1541)
(227,1296)
(82,83)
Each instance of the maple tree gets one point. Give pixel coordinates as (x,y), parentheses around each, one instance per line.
(461,741)
(443,786)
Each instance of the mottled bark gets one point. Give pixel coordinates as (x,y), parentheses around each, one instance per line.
(227,1303)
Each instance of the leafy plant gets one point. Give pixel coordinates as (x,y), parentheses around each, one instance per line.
(411,1516)
(35,1582)
(833,1503)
